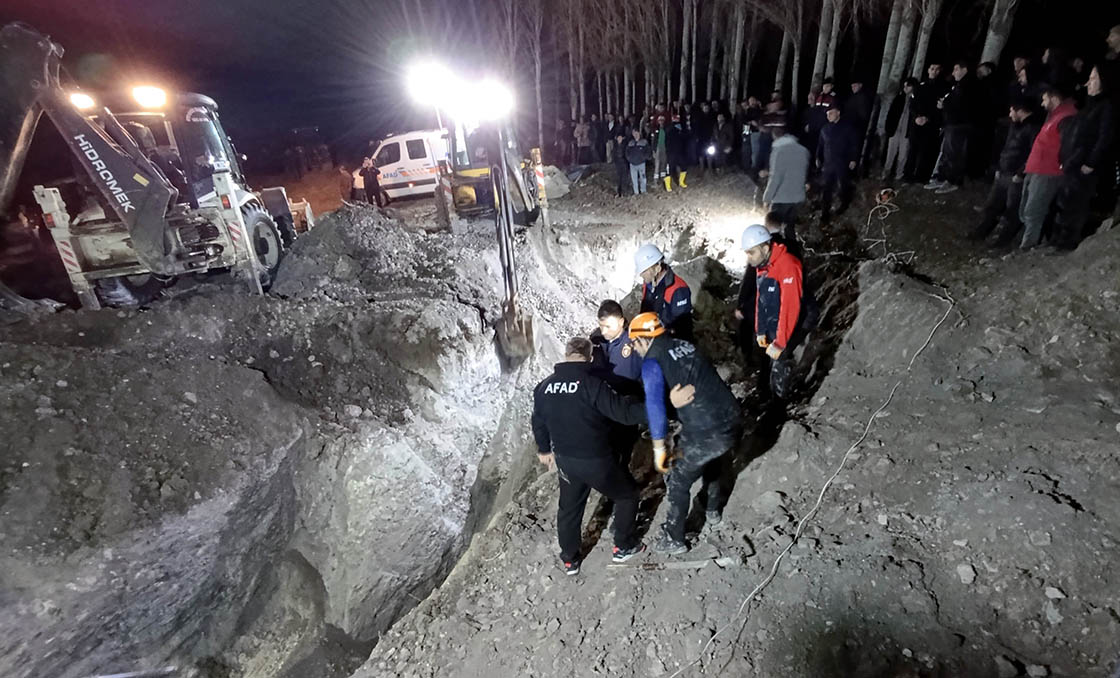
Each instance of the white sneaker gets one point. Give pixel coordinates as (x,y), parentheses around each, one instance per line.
(947,188)
(933,184)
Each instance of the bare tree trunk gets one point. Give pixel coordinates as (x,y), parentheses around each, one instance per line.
(713,44)
(891,45)
(737,51)
(751,50)
(692,59)
(725,81)
(783,61)
(599,90)
(931,9)
(819,63)
(627,90)
(582,63)
(686,49)
(1003,16)
(795,89)
(573,95)
(667,38)
(833,40)
(900,60)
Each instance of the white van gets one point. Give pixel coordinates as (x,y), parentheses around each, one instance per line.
(409,163)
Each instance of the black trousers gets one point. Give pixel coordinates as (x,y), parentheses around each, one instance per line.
(923,152)
(1002,205)
(623,172)
(835,181)
(606,476)
(954,153)
(706,457)
(376,196)
(1075,199)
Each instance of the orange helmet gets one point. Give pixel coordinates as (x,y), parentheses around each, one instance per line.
(646,325)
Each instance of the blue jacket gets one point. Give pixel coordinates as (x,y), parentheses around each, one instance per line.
(671,300)
(617,363)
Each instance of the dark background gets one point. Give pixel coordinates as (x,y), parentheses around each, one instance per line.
(277,64)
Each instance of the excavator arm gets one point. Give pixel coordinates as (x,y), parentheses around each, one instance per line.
(130,185)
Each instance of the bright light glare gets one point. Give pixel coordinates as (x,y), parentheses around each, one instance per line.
(82,101)
(711,150)
(149,97)
(429,83)
(494,100)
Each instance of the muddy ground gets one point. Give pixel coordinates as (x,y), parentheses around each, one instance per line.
(272,486)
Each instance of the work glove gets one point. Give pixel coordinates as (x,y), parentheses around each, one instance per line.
(773,351)
(762,341)
(661,458)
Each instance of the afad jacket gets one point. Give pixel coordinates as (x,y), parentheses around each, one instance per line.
(778,297)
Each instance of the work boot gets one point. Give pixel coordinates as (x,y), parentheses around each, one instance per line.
(669,184)
(680,180)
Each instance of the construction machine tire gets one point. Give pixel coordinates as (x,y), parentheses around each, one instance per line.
(130,290)
(267,240)
(287,227)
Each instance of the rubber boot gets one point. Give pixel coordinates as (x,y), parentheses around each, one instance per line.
(669,184)
(680,179)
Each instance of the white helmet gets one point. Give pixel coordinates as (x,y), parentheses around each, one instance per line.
(755,235)
(646,256)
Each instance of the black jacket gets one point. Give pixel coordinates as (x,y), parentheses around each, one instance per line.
(1091,138)
(961,102)
(857,110)
(925,102)
(839,145)
(676,146)
(714,409)
(724,136)
(894,113)
(618,155)
(1017,147)
(573,411)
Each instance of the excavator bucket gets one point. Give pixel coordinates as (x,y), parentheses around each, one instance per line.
(28,64)
(515,336)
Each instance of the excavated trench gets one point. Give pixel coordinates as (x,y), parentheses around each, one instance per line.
(387,439)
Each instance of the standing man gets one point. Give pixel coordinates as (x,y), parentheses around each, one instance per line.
(1085,157)
(582,135)
(710,419)
(702,130)
(664,292)
(572,415)
(637,154)
(958,108)
(898,131)
(345,182)
(371,180)
(676,149)
(789,171)
(1002,206)
(598,138)
(615,361)
(778,323)
(857,113)
(661,149)
(724,140)
(1044,168)
(926,134)
(621,164)
(836,158)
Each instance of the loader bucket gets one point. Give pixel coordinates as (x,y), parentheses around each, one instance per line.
(515,337)
(28,63)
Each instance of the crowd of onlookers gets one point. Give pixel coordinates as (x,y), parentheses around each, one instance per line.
(1046,137)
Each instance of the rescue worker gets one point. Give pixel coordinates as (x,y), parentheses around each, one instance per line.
(572,415)
(615,361)
(710,419)
(779,324)
(664,292)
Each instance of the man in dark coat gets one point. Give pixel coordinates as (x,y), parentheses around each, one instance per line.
(837,152)
(1085,155)
(925,136)
(1002,205)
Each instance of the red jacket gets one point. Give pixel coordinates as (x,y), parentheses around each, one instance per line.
(1048,144)
(778,300)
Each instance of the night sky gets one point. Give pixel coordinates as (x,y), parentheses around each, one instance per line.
(273,64)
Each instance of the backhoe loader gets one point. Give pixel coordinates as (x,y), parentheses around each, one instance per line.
(143,197)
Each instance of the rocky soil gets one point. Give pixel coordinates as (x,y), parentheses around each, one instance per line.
(250,487)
